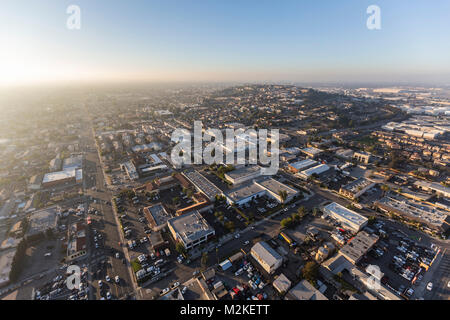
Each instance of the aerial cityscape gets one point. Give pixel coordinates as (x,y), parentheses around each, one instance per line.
(241,182)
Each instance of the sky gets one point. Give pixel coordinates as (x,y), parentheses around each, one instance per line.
(224,40)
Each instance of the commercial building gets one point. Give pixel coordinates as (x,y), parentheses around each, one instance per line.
(130,169)
(301,165)
(6,259)
(243,174)
(317,170)
(346,154)
(433,187)
(312,152)
(202,184)
(57,178)
(434,218)
(356,188)
(190,229)
(74,162)
(274,188)
(157,216)
(348,218)
(304,291)
(357,247)
(362,156)
(244,193)
(42,220)
(282,284)
(76,246)
(267,257)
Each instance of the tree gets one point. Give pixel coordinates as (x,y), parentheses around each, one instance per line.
(283,195)
(180,248)
(310,271)
(204,260)
(385,189)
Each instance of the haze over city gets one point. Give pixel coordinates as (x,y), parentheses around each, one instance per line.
(257,155)
(242,41)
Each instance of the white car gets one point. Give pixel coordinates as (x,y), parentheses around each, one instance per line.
(108,295)
(237,236)
(117,279)
(430,286)
(100,283)
(246,243)
(107,278)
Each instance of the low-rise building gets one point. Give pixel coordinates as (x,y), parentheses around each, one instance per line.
(304,291)
(356,188)
(157,216)
(190,229)
(268,258)
(362,156)
(243,174)
(348,218)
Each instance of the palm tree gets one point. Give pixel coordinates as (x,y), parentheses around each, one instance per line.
(283,195)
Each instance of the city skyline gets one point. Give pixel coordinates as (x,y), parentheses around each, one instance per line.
(203,41)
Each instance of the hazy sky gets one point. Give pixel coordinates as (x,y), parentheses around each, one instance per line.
(224,40)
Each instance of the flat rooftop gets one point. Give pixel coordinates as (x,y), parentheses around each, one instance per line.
(244,191)
(191,226)
(358,246)
(203,184)
(317,169)
(304,291)
(312,151)
(304,164)
(158,213)
(42,220)
(346,214)
(59,175)
(275,186)
(357,185)
(266,253)
(243,172)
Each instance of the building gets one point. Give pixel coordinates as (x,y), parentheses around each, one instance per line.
(55,164)
(157,216)
(69,176)
(274,188)
(74,162)
(304,291)
(202,184)
(76,245)
(282,284)
(362,156)
(348,218)
(357,247)
(317,170)
(243,174)
(356,188)
(433,187)
(190,229)
(42,220)
(312,152)
(267,257)
(156,240)
(6,259)
(301,165)
(346,154)
(434,218)
(130,170)
(244,193)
